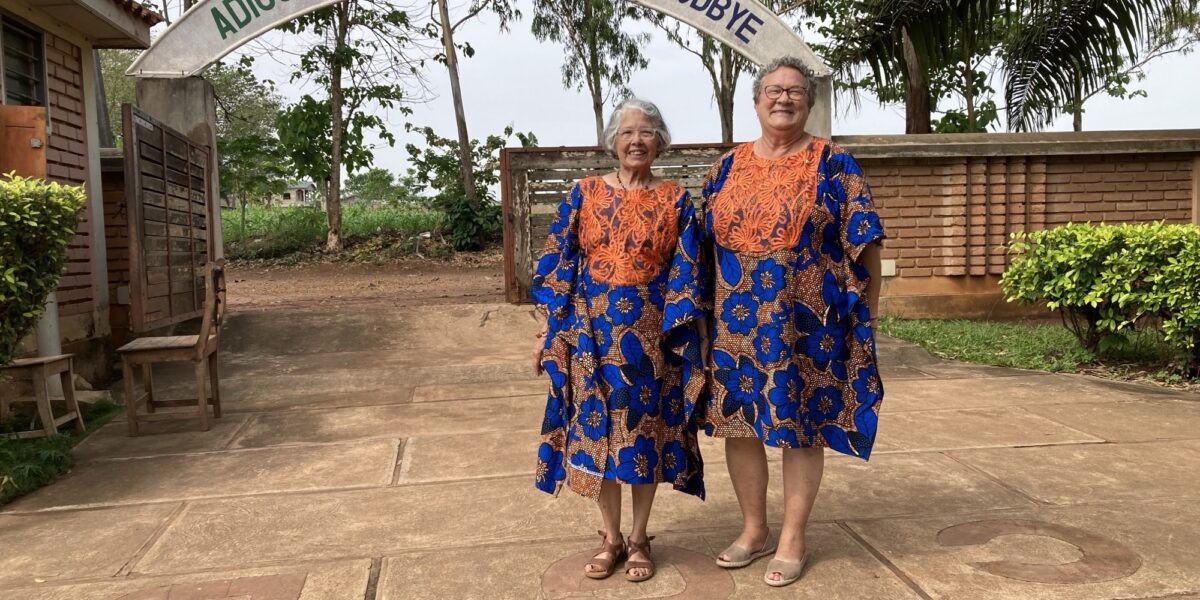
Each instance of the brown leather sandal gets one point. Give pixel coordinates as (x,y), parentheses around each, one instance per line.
(616,553)
(644,549)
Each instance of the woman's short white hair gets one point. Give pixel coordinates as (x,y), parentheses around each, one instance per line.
(791,62)
(646,108)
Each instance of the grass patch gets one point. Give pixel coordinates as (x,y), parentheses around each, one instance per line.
(28,464)
(1040,347)
(272,233)
(1044,347)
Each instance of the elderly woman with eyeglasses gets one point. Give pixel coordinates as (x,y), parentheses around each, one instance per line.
(794,240)
(619,283)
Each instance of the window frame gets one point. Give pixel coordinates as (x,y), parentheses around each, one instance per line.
(42,77)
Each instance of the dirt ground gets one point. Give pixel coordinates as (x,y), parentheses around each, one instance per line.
(408,282)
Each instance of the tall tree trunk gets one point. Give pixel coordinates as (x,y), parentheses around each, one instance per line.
(333,204)
(725,94)
(464,141)
(916,93)
(1077,105)
(593,76)
(243,228)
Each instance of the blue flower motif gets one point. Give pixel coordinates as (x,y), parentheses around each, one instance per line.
(825,344)
(785,394)
(743,385)
(731,266)
(642,394)
(862,328)
(782,437)
(826,404)
(584,461)
(682,275)
(768,345)
(546,265)
(831,242)
(658,290)
(584,345)
(553,417)
(672,406)
(769,279)
(549,468)
(740,312)
(561,313)
(592,287)
(637,463)
(867,387)
(864,228)
(563,218)
(601,334)
(678,313)
(674,461)
(593,418)
(624,305)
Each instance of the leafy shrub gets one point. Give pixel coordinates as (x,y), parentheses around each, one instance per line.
(1106,280)
(438,167)
(37,221)
(27,464)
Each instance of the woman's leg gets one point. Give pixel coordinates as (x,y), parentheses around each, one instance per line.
(643,501)
(802,470)
(610,514)
(747,463)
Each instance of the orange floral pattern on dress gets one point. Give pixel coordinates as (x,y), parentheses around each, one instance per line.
(627,235)
(765,202)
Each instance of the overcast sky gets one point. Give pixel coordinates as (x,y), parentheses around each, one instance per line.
(514,79)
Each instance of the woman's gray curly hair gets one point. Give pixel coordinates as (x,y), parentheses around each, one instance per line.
(646,108)
(810,79)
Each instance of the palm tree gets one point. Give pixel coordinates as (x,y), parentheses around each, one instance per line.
(1053,52)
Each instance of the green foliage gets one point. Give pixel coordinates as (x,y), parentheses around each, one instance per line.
(119,88)
(437,166)
(1051,55)
(1016,345)
(359,59)
(279,232)
(379,186)
(37,221)
(27,464)
(1106,280)
(600,55)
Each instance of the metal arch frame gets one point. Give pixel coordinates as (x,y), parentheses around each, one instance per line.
(190,44)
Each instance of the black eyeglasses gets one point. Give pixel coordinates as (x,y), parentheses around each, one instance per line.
(795,93)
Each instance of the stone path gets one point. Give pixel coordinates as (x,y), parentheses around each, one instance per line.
(370,455)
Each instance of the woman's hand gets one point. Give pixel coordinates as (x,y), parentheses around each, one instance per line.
(538,343)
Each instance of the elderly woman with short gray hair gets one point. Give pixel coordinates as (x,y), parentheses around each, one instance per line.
(794,237)
(619,283)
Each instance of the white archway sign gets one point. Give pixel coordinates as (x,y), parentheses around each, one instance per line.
(213,28)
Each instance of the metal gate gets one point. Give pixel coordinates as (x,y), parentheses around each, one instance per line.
(170,204)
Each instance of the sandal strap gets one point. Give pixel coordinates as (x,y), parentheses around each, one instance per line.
(615,549)
(643,546)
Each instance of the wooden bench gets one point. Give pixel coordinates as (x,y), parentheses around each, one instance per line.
(201,350)
(39,369)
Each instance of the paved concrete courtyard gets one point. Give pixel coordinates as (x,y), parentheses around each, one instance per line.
(387,454)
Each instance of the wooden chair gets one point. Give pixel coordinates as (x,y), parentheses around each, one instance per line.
(39,369)
(201,350)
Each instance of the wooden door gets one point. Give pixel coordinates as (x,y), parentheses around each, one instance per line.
(23,140)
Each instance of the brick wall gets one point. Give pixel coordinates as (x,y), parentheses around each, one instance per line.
(949,202)
(925,203)
(67,162)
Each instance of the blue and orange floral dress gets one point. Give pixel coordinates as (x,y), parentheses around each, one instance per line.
(619,281)
(793,351)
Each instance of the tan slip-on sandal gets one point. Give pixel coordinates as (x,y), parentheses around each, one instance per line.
(616,553)
(740,557)
(790,569)
(644,549)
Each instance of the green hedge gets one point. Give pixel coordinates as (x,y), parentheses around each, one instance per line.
(1108,279)
(37,221)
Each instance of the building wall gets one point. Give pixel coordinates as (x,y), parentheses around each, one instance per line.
(949,203)
(67,162)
